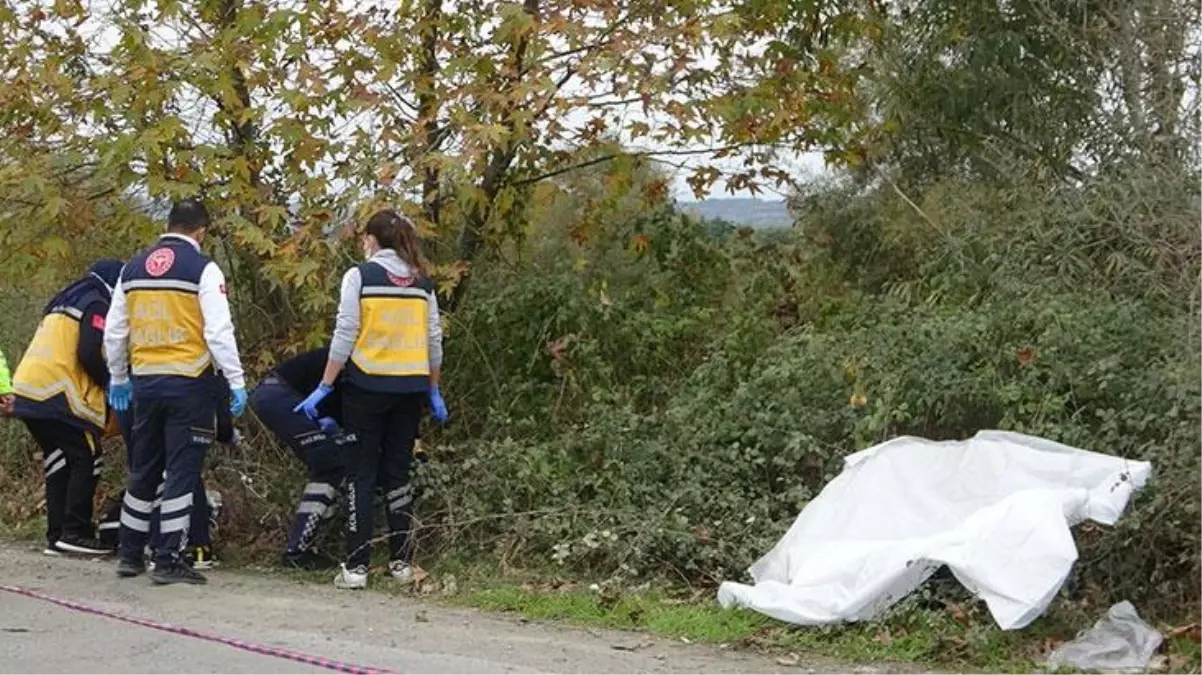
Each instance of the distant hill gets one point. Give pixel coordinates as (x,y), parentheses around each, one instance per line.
(741,211)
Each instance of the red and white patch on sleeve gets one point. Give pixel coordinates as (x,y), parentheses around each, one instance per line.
(97,322)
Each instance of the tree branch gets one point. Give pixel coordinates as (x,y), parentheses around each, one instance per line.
(615,155)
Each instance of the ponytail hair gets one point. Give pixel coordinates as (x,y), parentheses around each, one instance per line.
(397,232)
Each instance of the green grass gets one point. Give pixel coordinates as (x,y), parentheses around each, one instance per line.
(30,529)
(651,612)
(919,637)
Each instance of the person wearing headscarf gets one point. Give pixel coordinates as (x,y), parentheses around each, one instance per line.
(59,393)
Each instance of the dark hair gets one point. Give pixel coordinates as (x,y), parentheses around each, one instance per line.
(395,231)
(187,216)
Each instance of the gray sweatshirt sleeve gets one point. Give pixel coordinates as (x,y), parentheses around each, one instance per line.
(434,331)
(346,328)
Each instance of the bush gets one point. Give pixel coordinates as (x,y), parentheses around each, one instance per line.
(663,400)
(710,484)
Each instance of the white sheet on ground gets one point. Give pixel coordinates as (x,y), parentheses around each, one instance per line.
(996,509)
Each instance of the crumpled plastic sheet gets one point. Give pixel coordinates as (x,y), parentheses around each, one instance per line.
(1119,641)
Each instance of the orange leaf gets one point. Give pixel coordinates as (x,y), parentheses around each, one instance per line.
(1026,356)
(640,243)
(388,173)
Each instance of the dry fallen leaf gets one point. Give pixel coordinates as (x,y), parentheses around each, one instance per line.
(957,612)
(1050,645)
(1192,631)
(1026,356)
(419,574)
(421,616)
(1178,663)
(790,660)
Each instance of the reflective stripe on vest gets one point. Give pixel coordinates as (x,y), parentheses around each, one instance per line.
(51,367)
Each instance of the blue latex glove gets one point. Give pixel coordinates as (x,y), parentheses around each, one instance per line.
(328,425)
(309,405)
(237,401)
(120,395)
(438,407)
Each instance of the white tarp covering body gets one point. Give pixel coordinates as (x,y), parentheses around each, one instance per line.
(996,509)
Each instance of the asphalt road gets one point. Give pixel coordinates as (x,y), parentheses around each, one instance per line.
(364,628)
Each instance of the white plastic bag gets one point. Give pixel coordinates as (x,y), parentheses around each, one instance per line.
(1118,641)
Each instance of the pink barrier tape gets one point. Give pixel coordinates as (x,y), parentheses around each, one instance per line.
(277,652)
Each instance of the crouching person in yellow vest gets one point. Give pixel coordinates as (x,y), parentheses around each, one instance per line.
(169,325)
(59,394)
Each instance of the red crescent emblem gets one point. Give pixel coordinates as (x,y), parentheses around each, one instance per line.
(159,261)
(400,281)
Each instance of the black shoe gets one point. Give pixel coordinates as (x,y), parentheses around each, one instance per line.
(308,560)
(177,573)
(70,543)
(130,567)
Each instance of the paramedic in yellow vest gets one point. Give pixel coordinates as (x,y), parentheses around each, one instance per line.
(389,340)
(169,327)
(59,394)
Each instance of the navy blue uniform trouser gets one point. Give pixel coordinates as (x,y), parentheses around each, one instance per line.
(71,463)
(322,454)
(199,533)
(170,435)
(385,426)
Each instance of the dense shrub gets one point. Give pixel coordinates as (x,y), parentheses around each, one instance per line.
(713,481)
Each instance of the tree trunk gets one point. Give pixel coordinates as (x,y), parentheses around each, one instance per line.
(245,268)
(471,237)
(427,106)
(1163,31)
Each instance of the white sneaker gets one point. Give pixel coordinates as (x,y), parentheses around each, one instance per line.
(353,579)
(401,571)
(81,546)
(52,551)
